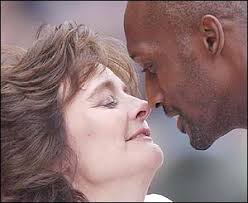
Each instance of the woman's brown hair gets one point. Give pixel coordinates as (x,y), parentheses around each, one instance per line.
(34,150)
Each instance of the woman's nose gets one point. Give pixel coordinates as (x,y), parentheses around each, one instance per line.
(142,111)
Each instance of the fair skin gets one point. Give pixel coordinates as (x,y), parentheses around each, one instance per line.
(100,121)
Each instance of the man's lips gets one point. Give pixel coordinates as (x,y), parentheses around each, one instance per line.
(180,122)
(140,132)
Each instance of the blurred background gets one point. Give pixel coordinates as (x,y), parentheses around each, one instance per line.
(217,174)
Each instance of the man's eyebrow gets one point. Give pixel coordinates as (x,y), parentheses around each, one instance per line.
(108,84)
(133,56)
(141,49)
(135,53)
(138,55)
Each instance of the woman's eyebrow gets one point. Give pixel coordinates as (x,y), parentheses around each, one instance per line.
(108,84)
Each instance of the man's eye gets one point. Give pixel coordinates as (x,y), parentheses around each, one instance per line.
(110,102)
(149,67)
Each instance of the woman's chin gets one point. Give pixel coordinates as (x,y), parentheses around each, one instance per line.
(157,157)
(151,156)
(154,160)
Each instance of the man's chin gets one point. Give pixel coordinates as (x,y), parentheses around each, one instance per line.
(200,144)
(199,140)
(200,147)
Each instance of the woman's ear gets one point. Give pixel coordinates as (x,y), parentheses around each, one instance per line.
(213,35)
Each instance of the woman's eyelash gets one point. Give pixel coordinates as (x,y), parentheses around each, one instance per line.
(110,104)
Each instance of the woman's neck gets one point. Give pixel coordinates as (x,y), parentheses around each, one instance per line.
(124,190)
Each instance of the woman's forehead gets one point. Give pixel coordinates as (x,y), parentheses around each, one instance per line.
(102,77)
(106,76)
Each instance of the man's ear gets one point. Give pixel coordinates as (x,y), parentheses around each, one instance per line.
(213,35)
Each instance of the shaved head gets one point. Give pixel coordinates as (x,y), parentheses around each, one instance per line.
(185,16)
(189,12)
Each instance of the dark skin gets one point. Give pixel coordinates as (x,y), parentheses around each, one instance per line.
(206,87)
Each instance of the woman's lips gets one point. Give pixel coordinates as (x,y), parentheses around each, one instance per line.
(142,133)
(142,137)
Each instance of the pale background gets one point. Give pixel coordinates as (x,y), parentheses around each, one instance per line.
(218,174)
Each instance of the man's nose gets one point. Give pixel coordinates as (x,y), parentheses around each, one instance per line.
(155,100)
(154,93)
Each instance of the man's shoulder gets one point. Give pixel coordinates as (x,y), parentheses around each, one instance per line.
(156,198)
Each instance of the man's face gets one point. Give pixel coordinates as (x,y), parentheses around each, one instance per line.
(179,80)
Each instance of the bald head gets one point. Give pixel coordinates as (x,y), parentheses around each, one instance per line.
(182,18)
(179,13)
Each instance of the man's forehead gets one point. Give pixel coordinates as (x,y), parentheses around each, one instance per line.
(136,22)
(134,13)
(146,15)
(133,5)
(138,35)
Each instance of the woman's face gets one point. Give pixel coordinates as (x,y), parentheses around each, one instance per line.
(100,122)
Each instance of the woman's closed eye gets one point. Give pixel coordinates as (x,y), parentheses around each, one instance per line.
(109,102)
